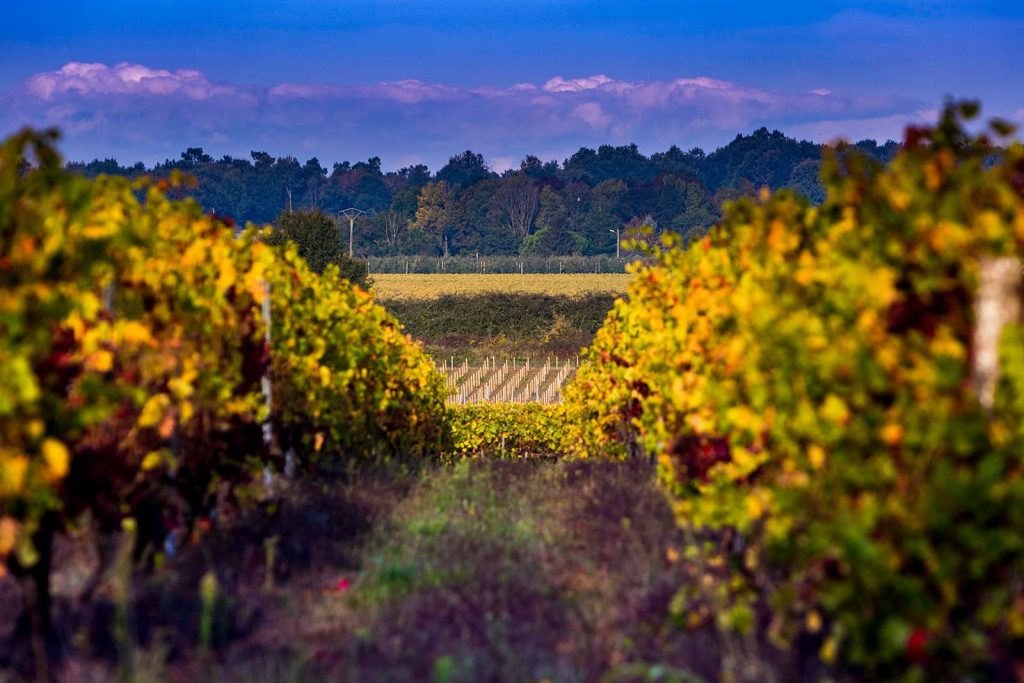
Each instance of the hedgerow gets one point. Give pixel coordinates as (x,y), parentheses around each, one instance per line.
(807,379)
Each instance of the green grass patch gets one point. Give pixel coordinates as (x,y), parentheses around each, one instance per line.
(504,324)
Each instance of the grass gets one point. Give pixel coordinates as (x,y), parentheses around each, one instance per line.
(507,325)
(418,287)
(515,571)
(510,570)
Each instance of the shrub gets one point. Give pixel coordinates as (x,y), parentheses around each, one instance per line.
(506,429)
(132,337)
(804,377)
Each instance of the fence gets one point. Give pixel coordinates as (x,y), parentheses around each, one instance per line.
(498,264)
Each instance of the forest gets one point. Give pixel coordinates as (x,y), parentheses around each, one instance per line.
(580,206)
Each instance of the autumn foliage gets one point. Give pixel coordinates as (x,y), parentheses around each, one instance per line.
(134,355)
(803,377)
(512,430)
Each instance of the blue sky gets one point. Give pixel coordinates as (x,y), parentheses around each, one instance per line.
(416,81)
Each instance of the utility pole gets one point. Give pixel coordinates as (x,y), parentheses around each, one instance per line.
(351,214)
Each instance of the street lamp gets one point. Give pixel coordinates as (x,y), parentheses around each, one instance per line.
(351,214)
(617,242)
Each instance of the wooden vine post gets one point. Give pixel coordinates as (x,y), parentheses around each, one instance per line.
(997,304)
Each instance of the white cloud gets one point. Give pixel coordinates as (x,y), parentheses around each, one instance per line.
(559,84)
(124,79)
(591,113)
(100,107)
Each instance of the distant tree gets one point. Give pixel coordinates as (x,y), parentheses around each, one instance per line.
(476,223)
(319,241)
(516,201)
(538,170)
(432,215)
(698,212)
(261,159)
(391,225)
(674,161)
(315,175)
(764,159)
(193,156)
(414,176)
(804,179)
(603,217)
(463,170)
(553,237)
(599,188)
(553,213)
(608,163)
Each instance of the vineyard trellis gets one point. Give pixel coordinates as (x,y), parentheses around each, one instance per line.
(508,380)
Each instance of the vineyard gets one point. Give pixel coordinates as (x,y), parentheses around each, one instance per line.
(794,450)
(833,395)
(508,381)
(159,372)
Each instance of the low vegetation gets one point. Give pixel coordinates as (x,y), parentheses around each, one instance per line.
(507,430)
(504,325)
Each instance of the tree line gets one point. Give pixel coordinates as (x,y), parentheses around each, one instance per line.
(580,206)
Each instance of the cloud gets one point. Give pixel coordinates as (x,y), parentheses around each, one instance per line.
(879,128)
(124,79)
(134,111)
(559,84)
(592,113)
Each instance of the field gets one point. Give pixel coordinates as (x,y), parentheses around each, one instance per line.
(478,327)
(792,451)
(400,286)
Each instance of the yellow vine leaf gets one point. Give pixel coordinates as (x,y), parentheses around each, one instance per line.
(57,458)
(153,410)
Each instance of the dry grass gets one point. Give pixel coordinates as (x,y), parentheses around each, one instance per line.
(401,286)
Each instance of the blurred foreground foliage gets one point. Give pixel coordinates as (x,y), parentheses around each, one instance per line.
(803,376)
(135,356)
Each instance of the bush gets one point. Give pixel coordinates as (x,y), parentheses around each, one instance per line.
(804,377)
(506,429)
(320,243)
(132,338)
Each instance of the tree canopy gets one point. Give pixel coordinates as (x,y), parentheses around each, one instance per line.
(540,207)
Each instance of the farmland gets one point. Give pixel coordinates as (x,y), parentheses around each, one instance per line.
(790,451)
(389,287)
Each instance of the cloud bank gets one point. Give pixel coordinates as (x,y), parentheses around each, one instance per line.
(136,112)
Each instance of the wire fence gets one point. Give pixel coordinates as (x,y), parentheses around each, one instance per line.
(498,264)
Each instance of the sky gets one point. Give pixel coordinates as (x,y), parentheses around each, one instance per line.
(414,81)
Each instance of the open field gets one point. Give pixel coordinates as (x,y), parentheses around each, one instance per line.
(400,286)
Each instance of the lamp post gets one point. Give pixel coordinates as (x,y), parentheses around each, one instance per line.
(351,214)
(617,242)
